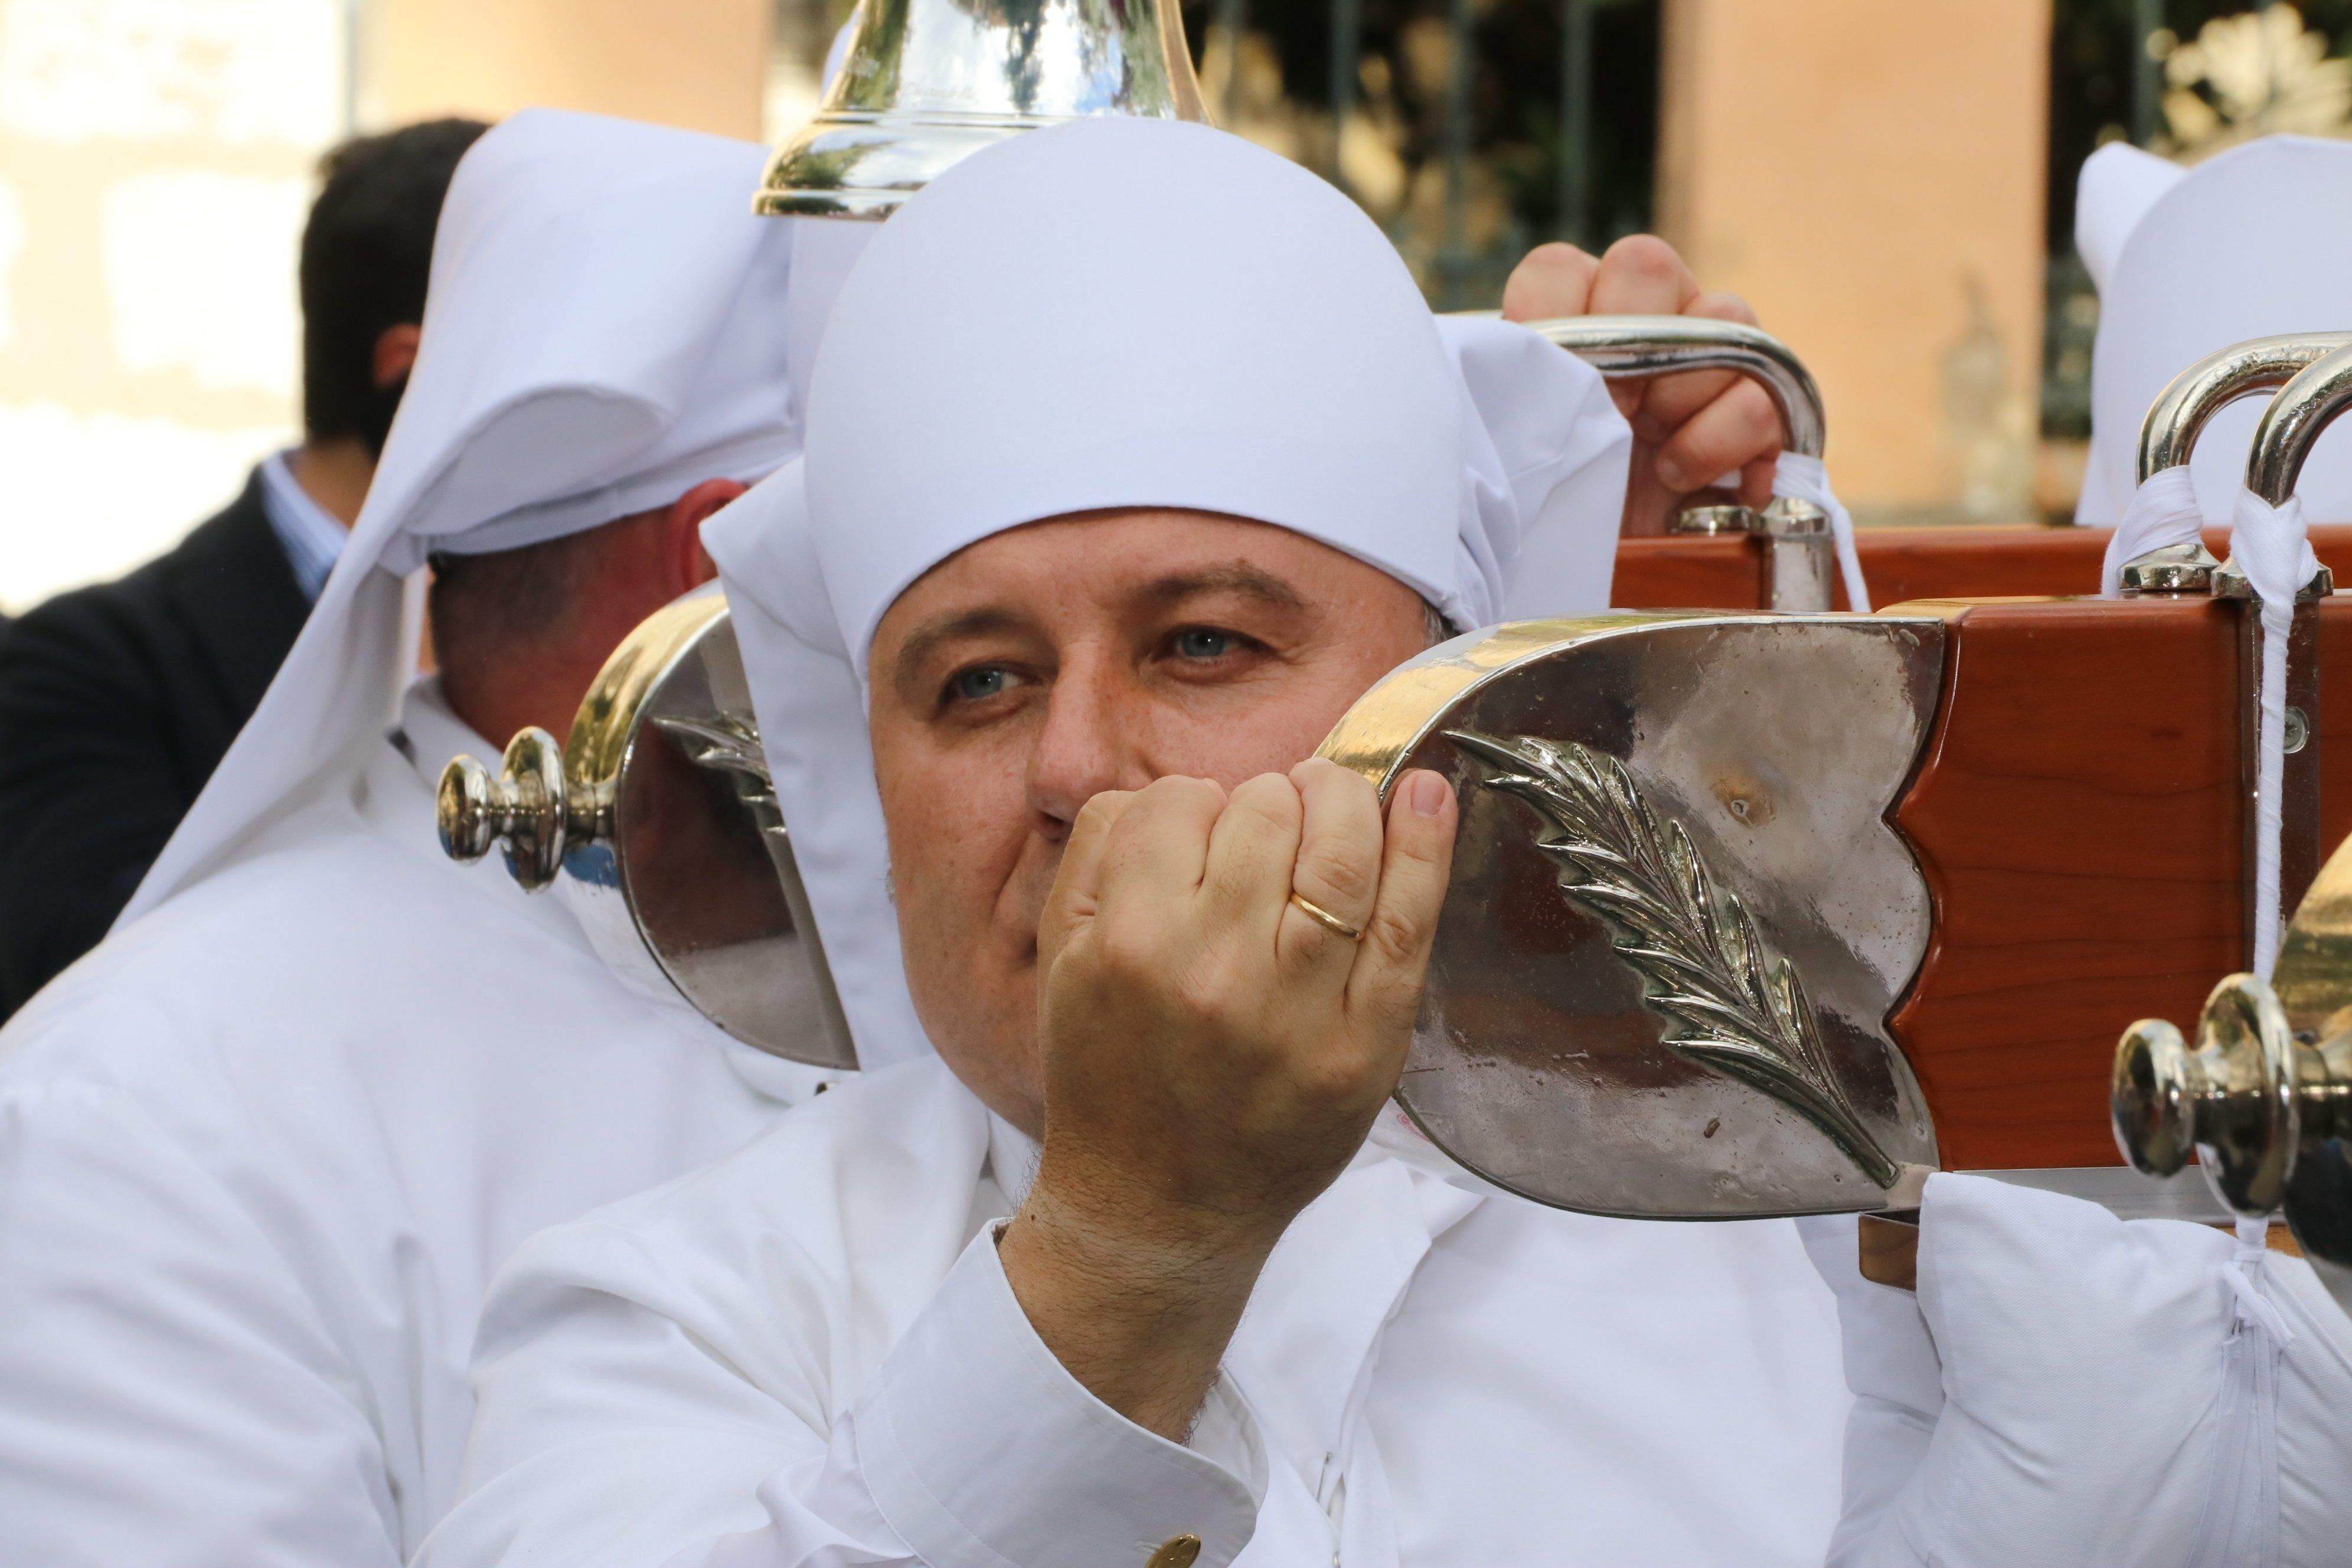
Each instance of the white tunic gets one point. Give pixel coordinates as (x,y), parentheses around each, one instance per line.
(259,1155)
(809,1354)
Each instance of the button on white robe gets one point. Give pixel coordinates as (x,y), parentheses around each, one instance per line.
(809,1354)
(259,1155)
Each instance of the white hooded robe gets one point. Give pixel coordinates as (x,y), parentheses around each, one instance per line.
(809,1356)
(262,1150)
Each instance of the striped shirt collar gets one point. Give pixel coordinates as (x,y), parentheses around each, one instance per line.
(307,531)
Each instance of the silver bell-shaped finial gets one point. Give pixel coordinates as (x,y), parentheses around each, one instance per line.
(2263,1099)
(525,805)
(925,82)
(2233,1100)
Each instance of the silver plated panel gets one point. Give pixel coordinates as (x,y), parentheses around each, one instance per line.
(1545,1059)
(692,886)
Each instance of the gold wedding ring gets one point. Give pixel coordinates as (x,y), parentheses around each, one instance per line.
(1326,920)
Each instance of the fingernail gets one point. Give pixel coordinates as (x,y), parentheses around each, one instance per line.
(1673,475)
(1425,793)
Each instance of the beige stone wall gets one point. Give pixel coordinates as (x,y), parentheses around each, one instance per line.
(155,166)
(701,65)
(1856,168)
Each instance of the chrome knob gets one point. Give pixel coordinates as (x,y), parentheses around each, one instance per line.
(2151,1098)
(2236,1100)
(524,806)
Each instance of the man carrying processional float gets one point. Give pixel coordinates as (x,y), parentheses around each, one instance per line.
(1136,1267)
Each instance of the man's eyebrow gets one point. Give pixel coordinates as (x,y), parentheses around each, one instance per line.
(1237,577)
(926,639)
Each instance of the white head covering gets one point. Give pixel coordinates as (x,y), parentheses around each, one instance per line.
(2118,184)
(600,335)
(1129,313)
(2189,261)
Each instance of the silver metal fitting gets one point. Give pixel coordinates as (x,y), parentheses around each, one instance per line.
(1716,521)
(2230,583)
(2173,569)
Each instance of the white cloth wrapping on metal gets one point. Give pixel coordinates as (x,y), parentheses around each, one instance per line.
(2067,1388)
(2163,512)
(596,341)
(1804,478)
(2189,261)
(2273,547)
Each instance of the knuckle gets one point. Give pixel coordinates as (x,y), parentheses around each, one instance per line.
(1760,421)
(1338,873)
(1099,812)
(1194,795)
(1268,796)
(1676,397)
(1395,938)
(1341,790)
(1720,305)
(1224,998)
(1199,993)
(1549,280)
(1644,256)
(1127,950)
(1733,433)
(1556,256)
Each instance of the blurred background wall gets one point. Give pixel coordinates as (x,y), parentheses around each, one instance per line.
(155,171)
(697,63)
(1872,181)
(1890,182)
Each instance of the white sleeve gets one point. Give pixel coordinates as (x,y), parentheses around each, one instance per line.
(2314,1415)
(2146,1394)
(1547,457)
(1897,1386)
(169,1394)
(623,1423)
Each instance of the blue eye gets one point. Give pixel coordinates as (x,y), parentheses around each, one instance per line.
(1200,642)
(977,684)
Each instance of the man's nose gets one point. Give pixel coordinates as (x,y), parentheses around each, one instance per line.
(1093,737)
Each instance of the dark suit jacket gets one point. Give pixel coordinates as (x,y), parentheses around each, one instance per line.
(116,704)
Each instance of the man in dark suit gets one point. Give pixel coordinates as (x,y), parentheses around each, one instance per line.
(118,700)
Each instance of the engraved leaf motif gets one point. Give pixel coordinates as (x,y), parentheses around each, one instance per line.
(723,742)
(729,744)
(1733,1005)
